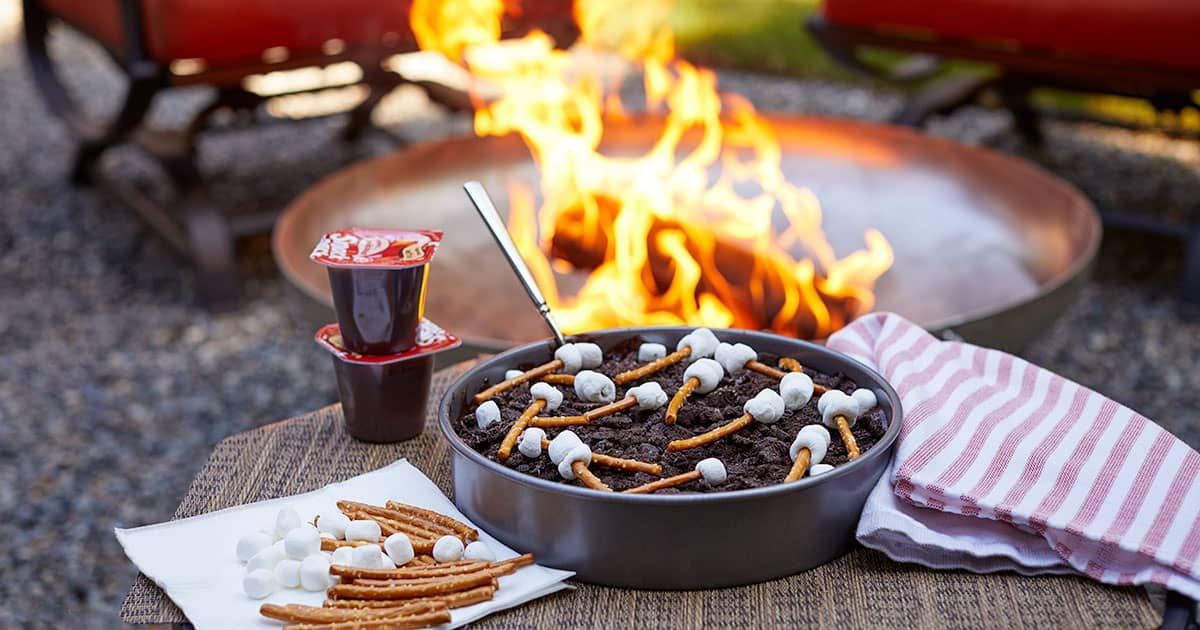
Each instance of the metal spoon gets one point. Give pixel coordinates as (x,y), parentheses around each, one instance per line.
(491,218)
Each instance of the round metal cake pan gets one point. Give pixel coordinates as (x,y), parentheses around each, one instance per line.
(677,541)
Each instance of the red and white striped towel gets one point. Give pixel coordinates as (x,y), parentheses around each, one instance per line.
(1002,465)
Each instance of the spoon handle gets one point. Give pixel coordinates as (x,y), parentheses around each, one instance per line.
(491,218)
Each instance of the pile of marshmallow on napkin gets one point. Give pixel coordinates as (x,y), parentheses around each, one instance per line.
(195,559)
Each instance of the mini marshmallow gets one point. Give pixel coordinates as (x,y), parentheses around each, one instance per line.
(708,372)
(562,444)
(766,406)
(343,556)
(251,544)
(286,521)
(301,542)
(366,557)
(287,573)
(258,584)
(267,558)
(448,549)
(334,523)
(734,357)
(314,572)
(363,530)
(487,413)
(581,453)
(546,392)
(651,352)
(385,562)
(511,374)
(866,400)
(712,470)
(796,388)
(649,396)
(594,387)
(838,403)
(399,548)
(591,354)
(530,442)
(571,358)
(479,551)
(702,341)
(819,469)
(813,437)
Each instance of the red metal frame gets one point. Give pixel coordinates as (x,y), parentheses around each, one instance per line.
(1021,71)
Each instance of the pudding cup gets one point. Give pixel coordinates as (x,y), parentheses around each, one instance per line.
(377,279)
(384,396)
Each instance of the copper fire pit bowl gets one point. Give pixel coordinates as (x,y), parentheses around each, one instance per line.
(986,245)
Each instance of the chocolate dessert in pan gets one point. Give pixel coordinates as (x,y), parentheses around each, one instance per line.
(670,457)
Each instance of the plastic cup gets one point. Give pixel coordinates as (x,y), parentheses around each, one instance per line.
(377,278)
(384,396)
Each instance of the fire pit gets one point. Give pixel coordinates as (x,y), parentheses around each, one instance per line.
(984,244)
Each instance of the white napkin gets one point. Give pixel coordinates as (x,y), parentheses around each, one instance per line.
(194,559)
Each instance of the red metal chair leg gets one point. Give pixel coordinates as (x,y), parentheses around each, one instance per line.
(1190,285)
(1015,94)
(146,79)
(211,241)
(941,97)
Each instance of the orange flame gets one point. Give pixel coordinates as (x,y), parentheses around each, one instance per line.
(670,236)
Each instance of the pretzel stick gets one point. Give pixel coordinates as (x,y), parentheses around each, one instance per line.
(792,365)
(421,561)
(392,526)
(423,522)
(466,532)
(329,544)
(629,402)
(453,600)
(764,369)
(514,432)
(711,436)
(680,397)
(800,466)
(378,582)
(668,482)
(448,585)
(297,613)
(620,463)
(402,622)
(843,427)
(550,422)
(653,366)
(628,465)
(588,479)
(493,572)
(449,568)
(523,377)
(559,379)
(406,572)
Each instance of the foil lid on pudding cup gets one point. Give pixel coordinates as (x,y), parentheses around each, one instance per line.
(376,248)
(431,339)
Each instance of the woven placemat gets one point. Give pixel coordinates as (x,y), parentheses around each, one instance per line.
(863,589)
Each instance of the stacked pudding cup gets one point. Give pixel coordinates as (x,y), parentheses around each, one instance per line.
(382,346)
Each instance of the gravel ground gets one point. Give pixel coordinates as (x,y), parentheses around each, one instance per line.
(120,385)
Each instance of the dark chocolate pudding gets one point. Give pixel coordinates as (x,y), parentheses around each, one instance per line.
(755,456)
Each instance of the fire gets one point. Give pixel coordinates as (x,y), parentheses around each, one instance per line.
(700,229)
